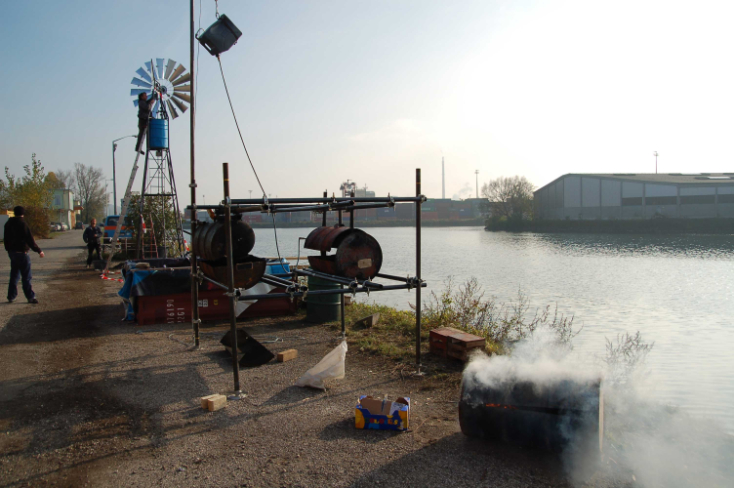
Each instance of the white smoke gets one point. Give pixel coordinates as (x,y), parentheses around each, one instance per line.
(466,191)
(645,443)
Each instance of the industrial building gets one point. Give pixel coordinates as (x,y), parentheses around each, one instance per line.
(625,196)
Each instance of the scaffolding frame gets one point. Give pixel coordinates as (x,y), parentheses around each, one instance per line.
(289,281)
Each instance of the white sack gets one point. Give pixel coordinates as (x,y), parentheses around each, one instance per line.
(332,366)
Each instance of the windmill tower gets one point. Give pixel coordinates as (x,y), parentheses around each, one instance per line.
(159,199)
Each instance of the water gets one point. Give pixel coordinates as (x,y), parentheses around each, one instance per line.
(676,290)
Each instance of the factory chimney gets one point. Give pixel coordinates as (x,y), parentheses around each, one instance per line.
(443,180)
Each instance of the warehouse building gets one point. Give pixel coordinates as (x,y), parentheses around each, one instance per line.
(636,196)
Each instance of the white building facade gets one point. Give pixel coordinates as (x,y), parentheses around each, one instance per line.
(636,196)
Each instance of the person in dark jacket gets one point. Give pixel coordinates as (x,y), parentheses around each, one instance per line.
(18,241)
(92,236)
(144,108)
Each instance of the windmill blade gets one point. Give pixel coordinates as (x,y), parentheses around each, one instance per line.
(159,65)
(144,75)
(183,97)
(149,66)
(172,109)
(183,79)
(169,67)
(180,105)
(142,83)
(184,88)
(137,91)
(177,72)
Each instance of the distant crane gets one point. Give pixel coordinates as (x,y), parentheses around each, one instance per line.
(348,187)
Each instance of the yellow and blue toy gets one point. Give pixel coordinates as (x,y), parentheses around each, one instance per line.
(382,414)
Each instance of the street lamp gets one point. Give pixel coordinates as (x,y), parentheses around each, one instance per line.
(476,172)
(655,153)
(114,181)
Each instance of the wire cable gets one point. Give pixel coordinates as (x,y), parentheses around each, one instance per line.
(277,249)
(240,133)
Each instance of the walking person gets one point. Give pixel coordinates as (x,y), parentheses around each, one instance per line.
(144,108)
(18,241)
(92,236)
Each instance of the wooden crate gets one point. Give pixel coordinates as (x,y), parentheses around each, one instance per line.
(448,342)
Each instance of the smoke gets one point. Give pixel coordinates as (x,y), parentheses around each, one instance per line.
(644,443)
(466,191)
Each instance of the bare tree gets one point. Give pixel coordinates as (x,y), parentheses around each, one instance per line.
(90,190)
(67,179)
(510,197)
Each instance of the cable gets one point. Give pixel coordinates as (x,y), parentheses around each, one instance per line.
(240,132)
(198,46)
(277,249)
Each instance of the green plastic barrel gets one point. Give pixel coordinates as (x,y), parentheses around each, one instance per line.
(322,308)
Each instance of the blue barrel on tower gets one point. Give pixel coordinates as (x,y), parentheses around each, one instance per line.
(158,134)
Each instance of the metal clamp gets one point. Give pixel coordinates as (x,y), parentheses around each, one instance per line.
(192,185)
(236,293)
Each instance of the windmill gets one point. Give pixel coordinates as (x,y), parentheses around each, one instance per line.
(167,79)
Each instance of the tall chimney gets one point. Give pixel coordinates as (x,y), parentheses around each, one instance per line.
(443,180)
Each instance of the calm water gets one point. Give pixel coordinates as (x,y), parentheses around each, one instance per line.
(676,290)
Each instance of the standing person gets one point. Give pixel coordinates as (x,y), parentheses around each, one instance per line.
(18,241)
(144,108)
(92,236)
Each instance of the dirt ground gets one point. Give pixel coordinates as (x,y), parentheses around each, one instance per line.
(88,400)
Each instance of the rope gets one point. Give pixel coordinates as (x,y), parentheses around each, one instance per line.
(238,127)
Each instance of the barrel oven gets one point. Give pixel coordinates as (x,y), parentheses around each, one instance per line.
(210,245)
(552,414)
(358,254)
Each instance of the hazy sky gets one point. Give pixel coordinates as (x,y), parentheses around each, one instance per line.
(370,90)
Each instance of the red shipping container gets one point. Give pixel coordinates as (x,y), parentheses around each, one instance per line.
(213,305)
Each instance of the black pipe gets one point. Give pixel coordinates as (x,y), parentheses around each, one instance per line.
(418,304)
(342,291)
(194,265)
(341,308)
(393,277)
(324,276)
(216,283)
(351,217)
(323,217)
(260,201)
(230,269)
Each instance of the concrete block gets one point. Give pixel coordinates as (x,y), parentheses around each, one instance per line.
(213,402)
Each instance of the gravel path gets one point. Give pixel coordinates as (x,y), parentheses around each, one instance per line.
(87,400)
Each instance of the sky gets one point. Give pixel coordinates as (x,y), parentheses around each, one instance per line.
(327,91)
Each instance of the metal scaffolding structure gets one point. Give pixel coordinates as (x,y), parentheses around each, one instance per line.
(289,281)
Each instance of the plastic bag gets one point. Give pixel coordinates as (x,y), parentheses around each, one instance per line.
(330,367)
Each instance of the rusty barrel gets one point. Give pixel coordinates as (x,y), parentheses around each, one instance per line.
(358,254)
(553,414)
(209,239)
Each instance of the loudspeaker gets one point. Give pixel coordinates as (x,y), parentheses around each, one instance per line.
(220,36)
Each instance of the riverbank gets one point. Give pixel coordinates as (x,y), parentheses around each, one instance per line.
(663,226)
(86,399)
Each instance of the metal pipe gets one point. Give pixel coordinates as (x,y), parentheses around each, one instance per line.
(230,272)
(316,274)
(418,304)
(342,291)
(342,306)
(392,277)
(323,217)
(192,125)
(260,201)
(351,217)
(215,283)
(310,208)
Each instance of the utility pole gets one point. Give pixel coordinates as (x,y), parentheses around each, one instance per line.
(655,153)
(114,179)
(476,172)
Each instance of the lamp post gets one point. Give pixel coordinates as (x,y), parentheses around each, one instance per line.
(476,172)
(655,153)
(114,181)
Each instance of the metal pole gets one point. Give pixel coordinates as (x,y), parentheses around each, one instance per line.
(114,179)
(351,218)
(194,265)
(418,304)
(323,217)
(230,273)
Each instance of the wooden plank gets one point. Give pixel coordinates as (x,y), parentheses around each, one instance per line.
(287,355)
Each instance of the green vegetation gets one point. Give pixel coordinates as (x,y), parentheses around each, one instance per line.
(463,307)
(33,191)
